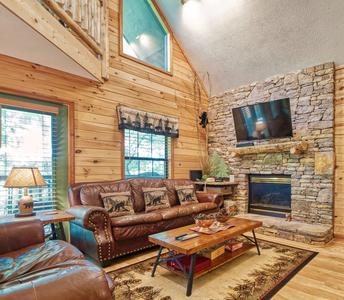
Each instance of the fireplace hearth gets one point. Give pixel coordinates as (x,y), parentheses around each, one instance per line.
(270,195)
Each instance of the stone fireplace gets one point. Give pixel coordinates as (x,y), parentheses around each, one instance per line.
(270,195)
(311,94)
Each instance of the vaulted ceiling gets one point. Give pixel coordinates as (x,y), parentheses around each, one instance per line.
(241,41)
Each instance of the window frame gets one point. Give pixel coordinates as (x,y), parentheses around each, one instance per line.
(53,113)
(169,151)
(21,100)
(163,22)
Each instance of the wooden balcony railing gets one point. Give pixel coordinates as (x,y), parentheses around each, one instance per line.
(79,28)
(87,19)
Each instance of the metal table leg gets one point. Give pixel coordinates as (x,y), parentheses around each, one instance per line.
(255,241)
(53,231)
(157,261)
(54,234)
(191,275)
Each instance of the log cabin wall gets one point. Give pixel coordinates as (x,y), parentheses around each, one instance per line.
(98,142)
(339,150)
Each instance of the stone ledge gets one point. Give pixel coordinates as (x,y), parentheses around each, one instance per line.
(294,230)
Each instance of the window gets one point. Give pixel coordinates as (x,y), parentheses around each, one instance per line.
(144,35)
(146,154)
(28,138)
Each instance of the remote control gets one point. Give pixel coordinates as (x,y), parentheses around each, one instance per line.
(185,237)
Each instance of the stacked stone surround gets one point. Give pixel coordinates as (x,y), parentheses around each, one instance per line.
(311,94)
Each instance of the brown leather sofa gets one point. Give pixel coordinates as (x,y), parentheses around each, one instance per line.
(32,269)
(103,237)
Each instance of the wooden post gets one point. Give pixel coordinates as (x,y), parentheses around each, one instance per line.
(104,36)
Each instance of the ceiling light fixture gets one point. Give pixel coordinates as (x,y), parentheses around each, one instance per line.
(183,1)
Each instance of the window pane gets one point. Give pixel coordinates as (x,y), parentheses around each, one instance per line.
(159,169)
(145,168)
(131,140)
(159,146)
(144,36)
(28,139)
(131,168)
(145,154)
(145,145)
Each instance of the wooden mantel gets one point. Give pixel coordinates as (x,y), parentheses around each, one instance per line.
(295,147)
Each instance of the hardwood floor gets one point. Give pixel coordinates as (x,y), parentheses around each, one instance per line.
(322,278)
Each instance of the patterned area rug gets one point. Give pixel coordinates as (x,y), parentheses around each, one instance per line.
(247,277)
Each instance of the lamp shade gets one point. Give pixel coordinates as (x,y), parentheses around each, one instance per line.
(24,177)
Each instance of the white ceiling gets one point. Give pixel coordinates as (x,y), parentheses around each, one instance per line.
(241,41)
(19,40)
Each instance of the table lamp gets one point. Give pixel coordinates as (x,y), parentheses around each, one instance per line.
(25,177)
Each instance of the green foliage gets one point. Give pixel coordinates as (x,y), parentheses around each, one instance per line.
(219,167)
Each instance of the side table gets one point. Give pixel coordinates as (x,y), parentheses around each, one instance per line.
(52,217)
(55,217)
(225,188)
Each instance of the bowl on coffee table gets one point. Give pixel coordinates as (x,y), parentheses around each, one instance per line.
(204,221)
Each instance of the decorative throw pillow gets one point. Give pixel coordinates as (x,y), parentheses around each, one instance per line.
(118,203)
(186,194)
(155,198)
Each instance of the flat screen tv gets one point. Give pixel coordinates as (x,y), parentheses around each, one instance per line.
(260,121)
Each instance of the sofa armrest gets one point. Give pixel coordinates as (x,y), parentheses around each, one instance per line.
(210,197)
(97,220)
(15,235)
(89,217)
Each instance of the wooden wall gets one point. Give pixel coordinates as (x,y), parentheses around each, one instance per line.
(339,144)
(98,142)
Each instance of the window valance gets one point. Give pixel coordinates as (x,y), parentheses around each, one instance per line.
(129,118)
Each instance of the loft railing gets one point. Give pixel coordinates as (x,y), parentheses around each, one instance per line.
(87,20)
(79,28)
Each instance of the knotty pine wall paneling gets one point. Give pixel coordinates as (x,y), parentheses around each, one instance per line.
(98,142)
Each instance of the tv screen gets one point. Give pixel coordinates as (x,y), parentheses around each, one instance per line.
(266,120)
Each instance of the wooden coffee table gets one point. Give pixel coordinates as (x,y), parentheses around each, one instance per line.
(191,247)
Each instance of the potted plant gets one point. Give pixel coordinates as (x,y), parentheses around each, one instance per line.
(219,169)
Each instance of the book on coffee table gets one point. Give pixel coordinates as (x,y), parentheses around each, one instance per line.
(213,252)
(201,263)
(233,245)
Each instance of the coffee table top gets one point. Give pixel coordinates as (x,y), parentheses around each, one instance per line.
(167,238)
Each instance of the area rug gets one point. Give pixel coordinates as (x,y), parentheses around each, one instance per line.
(247,277)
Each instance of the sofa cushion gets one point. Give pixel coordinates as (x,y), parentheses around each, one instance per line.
(155,198)
(118,204)
(134,231)
(186,210)
(171,188)
(36,257)
(186,194)
(73,279)
(136,190)
(90,193)
(139,218)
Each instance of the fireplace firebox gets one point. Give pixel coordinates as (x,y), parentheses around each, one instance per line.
(270,195)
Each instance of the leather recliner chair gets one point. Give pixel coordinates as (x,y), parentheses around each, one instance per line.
(32,269)
(103,237)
